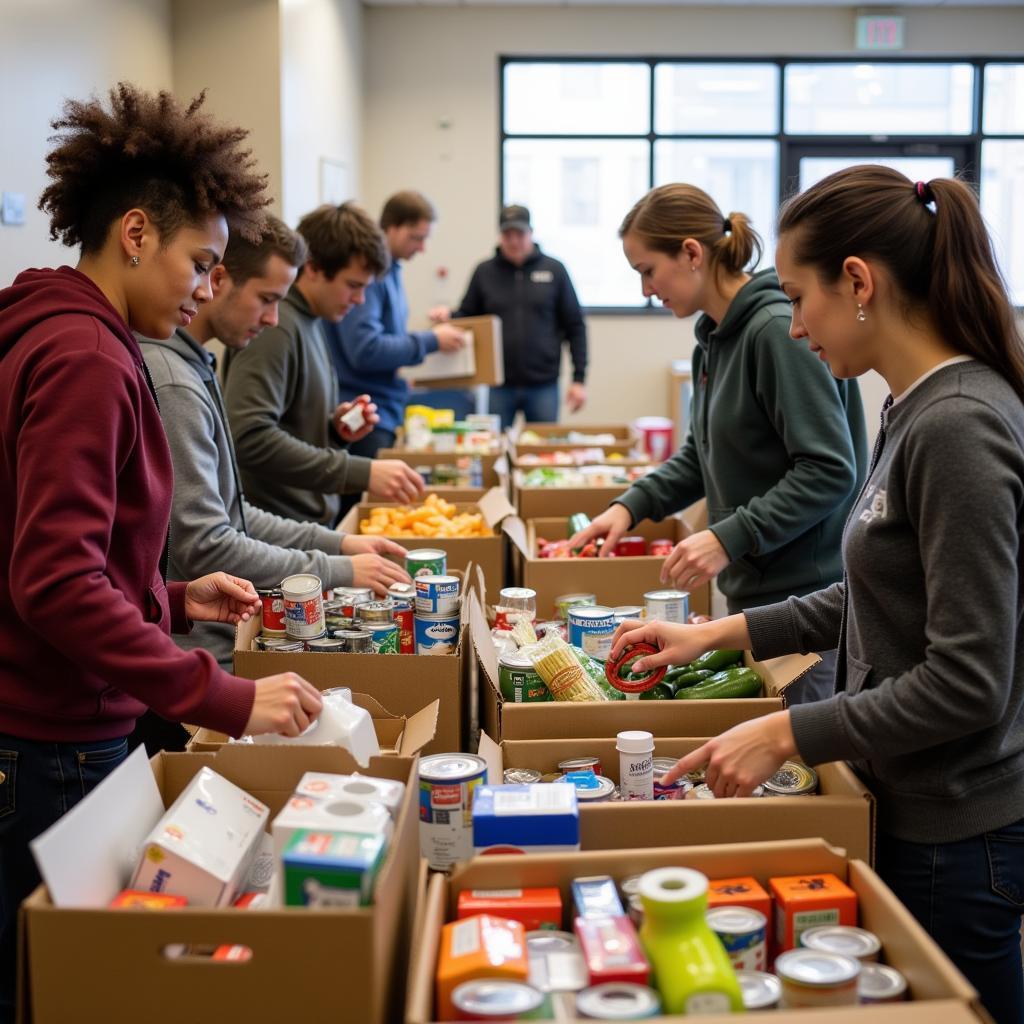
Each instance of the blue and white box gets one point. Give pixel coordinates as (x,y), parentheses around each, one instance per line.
(535,818)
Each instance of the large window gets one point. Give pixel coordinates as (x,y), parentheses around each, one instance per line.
(582,140)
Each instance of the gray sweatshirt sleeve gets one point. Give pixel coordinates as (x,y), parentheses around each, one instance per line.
(258,389)
(796,625)
(202,537)
(963,482)
(676,484)
(291,533)
(800,399)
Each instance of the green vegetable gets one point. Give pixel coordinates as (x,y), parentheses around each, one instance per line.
(688,676)
(717,660)
(595,669)
(730,684)
(658,692)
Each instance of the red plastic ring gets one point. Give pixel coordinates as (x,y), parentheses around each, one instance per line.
(612,667)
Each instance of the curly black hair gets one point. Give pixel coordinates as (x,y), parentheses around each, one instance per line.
(150,152)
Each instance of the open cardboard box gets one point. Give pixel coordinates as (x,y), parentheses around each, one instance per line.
(488,357)
(401,682)
(843,812)
(614,581)
(96,964)
(506,720)
(396,734)
(627,439)
(486,552)
(552,502)
(940,994)
(490,465)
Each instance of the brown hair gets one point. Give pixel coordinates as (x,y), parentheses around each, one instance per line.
(941,260)
(669,214)
(149,152)
(245,259)
(337,235)
(406,208)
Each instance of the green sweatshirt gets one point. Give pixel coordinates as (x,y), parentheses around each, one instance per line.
(776,445)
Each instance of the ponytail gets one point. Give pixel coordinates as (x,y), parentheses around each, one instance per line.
(932,239)
(671,213)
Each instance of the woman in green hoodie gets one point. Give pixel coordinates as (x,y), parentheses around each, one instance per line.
(777,446)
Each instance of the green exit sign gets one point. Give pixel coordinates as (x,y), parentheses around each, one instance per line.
(880,32)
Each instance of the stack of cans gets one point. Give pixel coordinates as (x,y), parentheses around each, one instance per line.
(438,613)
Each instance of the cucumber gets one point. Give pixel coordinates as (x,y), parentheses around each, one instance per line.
(658,692)
(688,677)
(717,660)
(727,685)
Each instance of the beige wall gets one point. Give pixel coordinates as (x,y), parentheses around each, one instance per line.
(427,66)
(51,50)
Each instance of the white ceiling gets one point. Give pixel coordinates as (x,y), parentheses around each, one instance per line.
(688,3)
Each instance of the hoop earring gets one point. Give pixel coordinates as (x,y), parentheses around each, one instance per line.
(861,315)
(135,261)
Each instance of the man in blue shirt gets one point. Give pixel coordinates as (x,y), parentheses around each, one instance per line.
(370,345)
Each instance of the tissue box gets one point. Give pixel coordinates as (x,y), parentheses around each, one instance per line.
(331,869)
(202,847)
(362,787)
(346,814)
(538,818)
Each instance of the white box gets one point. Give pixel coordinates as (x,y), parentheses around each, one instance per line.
(329,814)
(203,846)
(362,787)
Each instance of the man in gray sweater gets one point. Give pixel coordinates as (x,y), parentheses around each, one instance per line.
(212,523)
(281,393)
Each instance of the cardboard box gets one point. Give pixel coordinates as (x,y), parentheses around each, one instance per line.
(404,682)
(491,466)
(549,502)
(488,357)
(843,812)
(614,581)
(486,552)
(397,734)
(941,995)
(627,439)
(100,964)
(506,720)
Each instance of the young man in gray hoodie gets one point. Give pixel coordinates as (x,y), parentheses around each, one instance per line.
(212,523)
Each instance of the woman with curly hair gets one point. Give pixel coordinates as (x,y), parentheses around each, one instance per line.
(147,190)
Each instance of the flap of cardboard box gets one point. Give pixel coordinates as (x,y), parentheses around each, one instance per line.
(515,529)
(495,506)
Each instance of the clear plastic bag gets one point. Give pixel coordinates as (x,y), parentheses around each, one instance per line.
(558,666)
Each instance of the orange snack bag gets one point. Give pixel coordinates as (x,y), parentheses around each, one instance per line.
(807,901)
(483,946)
(532,908)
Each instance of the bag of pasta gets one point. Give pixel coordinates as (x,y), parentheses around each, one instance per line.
(566,679)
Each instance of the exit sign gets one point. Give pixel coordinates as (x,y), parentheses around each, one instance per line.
(880,32)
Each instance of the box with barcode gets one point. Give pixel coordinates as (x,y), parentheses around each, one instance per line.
(808,901)
(526,819)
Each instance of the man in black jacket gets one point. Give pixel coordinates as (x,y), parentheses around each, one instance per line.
(539,311)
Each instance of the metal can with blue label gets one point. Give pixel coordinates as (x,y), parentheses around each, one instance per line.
(436,634)
(437,595)
(744,933)
(591,628)
(385,637)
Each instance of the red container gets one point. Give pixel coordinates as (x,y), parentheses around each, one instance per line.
(661,547)
(631,547)
(273,613)
(655,436)
(612,950)
(404,618)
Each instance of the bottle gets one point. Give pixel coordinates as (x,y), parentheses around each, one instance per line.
(636,764)
(691,967)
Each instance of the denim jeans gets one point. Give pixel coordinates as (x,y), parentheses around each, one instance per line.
(539,403)
(969,896)
(39,783)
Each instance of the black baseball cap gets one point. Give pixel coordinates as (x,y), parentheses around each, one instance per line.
(514,218)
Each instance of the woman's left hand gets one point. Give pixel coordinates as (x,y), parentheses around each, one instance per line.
(352,544)
(694,561)
(741,759)
(220,598)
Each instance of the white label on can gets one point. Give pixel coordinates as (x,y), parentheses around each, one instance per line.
(466,937)
(707,1003)
(750,958)
(597,645)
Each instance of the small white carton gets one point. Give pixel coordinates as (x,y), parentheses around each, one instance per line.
(362,787)
(204,844)
(329,814)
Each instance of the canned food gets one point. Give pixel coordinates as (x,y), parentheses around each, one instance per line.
(590,788)
(837,938)
(635,908)
(552,777)
(448,783)
(630,886)
(303,606)
(402,613)
(566,601)
(792,779)
(272,623)
(592,628)
(520,776)
(325,645)
(660,547)
(580,764)
(279,643)
(436,634)
(667,605)
(618,1000)
(880,984)
(403,591)
(556,961)
(334,622)
(760,991)
(377,611)
(519,681)
(810,978)
(437,595)
(495,999)
(678,789)
(355,641)
(744,933)
(702,791)
(627,611)
(426,562)
(515,603)
(351,597)
(385,637)
(631,547)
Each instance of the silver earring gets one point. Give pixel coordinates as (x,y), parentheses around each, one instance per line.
(861,315)
(135,261)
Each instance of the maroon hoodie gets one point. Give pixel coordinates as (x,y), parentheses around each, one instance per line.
(85,499)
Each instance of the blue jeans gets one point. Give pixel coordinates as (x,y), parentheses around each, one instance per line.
(40,782)
(539,403)
(969,896)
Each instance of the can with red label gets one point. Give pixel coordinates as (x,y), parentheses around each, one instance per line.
(303,606)
(655,436)
(448,784)
(404,617)
(272,623)
(660,547)
(631,547)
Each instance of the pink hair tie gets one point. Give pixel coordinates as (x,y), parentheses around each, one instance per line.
(924,192)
